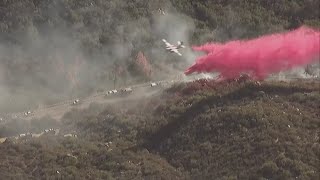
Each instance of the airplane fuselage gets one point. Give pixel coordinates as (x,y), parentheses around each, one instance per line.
(172,48)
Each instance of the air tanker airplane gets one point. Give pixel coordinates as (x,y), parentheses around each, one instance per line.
(172,48)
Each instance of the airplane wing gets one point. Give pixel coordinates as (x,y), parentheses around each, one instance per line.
(176,51)
(166,42)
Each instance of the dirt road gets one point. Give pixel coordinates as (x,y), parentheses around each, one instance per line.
(56,111)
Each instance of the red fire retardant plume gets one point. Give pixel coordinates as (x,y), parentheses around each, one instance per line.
(259,57)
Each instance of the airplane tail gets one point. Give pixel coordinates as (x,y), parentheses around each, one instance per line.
(180,44)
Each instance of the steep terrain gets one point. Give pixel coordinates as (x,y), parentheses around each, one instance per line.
(199,130)
(56,50)
(51,51)
(241,130)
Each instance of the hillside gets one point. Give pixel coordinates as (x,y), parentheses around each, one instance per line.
(56,50)
(198,130)
(241,131)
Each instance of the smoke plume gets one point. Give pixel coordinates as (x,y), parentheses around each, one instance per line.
(259,57)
